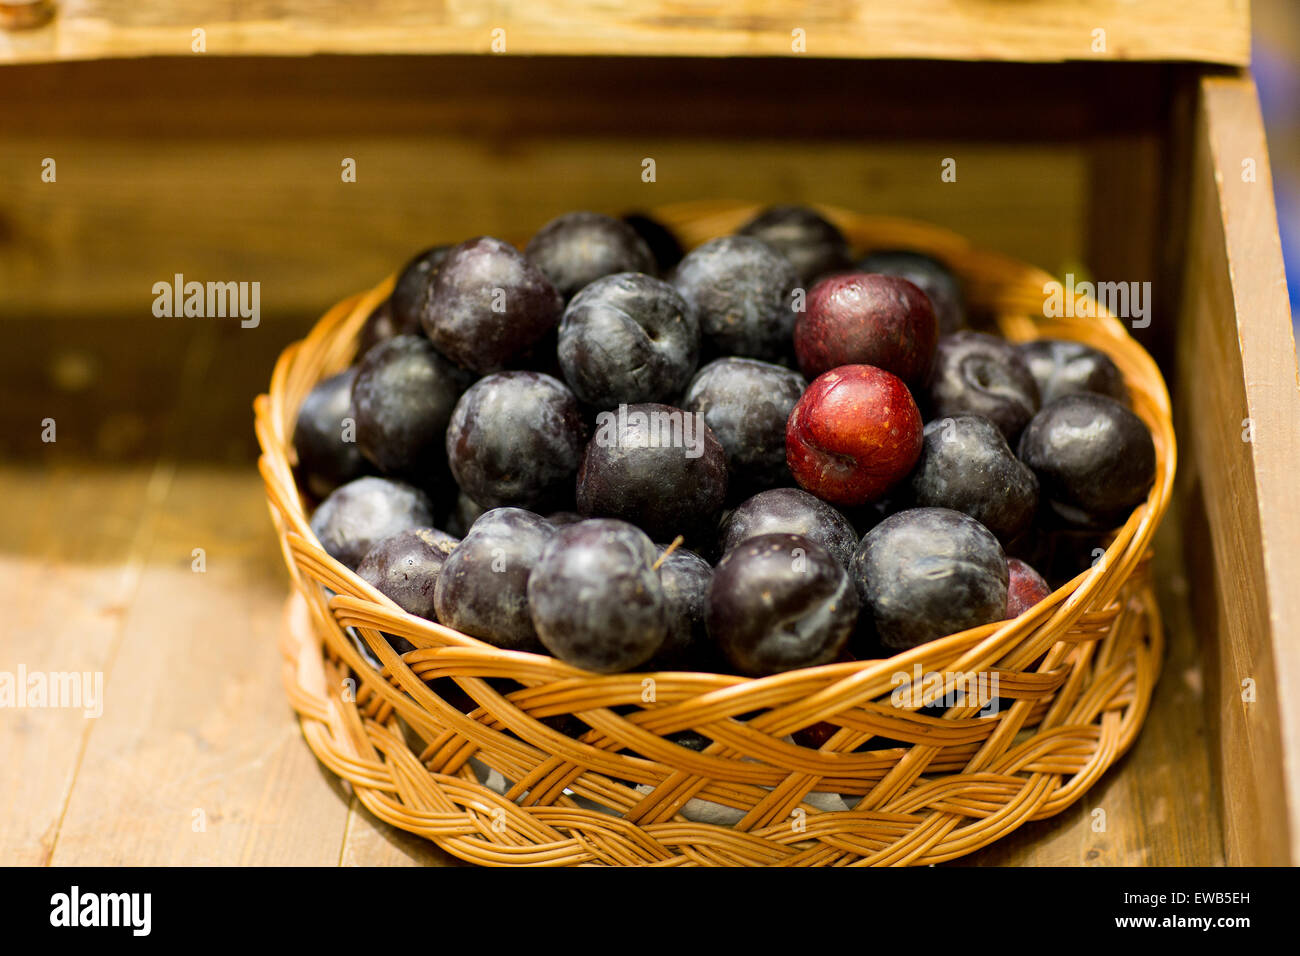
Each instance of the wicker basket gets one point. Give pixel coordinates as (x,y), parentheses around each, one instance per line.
(481,769)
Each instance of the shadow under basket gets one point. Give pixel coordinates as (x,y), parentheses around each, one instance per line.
(510,758)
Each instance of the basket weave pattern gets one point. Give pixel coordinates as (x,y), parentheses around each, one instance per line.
(1075,676)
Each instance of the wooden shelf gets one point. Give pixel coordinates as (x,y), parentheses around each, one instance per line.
(96,574)
(1216,31)
(228,168)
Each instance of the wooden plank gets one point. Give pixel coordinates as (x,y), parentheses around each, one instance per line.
(1237,366)
(1047,30)
(197,759)
(73,545)
(214,179)
(99,243)
(71,552)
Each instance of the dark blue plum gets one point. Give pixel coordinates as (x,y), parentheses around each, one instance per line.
(967,465)
(925,573)
(414,285)
(325,443)
(1095,460)
(489,305)
(790,511)
(405,568)
(1061,367)
(628,338)
(482,589)
(578,248)
(658,467)
(747,404)
(516,438)
(357,516)
(778,602)
(685,577)
(979,374)
(743,293)
(596,598)
(664,245)
(403,397)
(814,245)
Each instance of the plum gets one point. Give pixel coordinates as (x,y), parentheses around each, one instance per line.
(516,438)
(747,404)
(628,338)
(1062,367)
(404,567)
(967,465)
(358,515)
(413,287)
(327,454)
(778,602)
(930,275)
(979,374)
(685,578)
(859,319)
(743,293)
(488,305)
(790,511)
(814,246)
(1025,588)
(1095,460)
(577,248)
(659,467)
(482,589)
(403,398)
(854,434)
(925,573)
(596,599)
(664,245)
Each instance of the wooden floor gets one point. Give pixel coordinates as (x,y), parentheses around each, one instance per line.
(197,758)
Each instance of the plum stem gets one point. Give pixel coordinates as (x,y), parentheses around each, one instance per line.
(677,541)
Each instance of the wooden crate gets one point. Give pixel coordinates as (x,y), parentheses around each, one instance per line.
(229,167)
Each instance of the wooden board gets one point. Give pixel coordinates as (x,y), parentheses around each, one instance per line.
(1237,368)
(1047,30)
(98,559)
(232,170)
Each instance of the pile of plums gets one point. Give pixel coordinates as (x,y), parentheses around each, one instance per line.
(756,456)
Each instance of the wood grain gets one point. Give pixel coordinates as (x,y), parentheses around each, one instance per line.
(1045,30)
(1237,363)
(195,760)
(231,171)
(39,562)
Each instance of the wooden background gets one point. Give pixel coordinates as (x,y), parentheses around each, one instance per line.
(1023,30)
(229,170)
